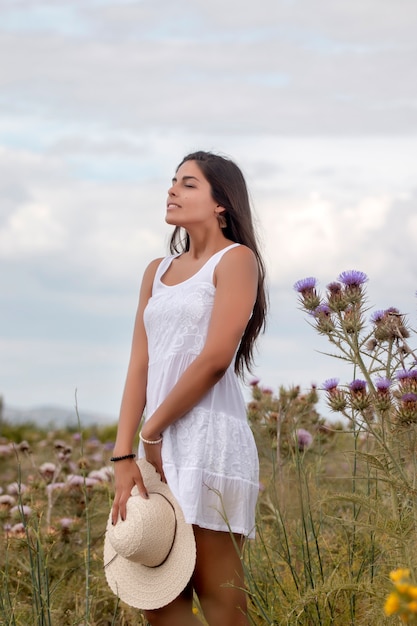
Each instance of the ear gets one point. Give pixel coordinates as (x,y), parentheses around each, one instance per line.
(221,216)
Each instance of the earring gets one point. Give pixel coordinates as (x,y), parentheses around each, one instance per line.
(221,219)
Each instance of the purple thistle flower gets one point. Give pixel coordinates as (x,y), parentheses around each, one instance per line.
(335,397)
(330,384)
(409,397)
(382,400)
(47,470)
(359,398)
(408,380)
(66,522)
(23,509)
(15,488)
(353,278)
(305,285)
(6,501)
(6,450)
(357,386)
(323,309)
(75,480)
(382,383)
(309,297)
(17,530)
(377,316)
(403,374)
(407,409)
(53,486)
(304,439)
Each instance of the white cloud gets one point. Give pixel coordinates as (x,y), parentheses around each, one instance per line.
(318,104)
(29,230)
(285,69)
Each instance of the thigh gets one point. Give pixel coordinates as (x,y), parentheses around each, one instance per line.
(218,577)
(177,613)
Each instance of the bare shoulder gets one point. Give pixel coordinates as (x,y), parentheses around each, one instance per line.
(149,274)
(237,256)
(236,263)
(153,266)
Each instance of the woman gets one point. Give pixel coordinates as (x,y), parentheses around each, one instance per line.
(200,312)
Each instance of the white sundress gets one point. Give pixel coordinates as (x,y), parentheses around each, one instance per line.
(209,455)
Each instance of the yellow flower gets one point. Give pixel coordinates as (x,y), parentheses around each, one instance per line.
(195,610)
(392,604)
(412,606)
(398,574)
(413,592)
(402,587)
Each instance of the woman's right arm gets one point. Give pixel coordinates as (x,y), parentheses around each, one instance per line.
(126,472)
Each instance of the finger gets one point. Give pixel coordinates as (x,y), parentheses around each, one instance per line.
(141,487)
(114,513)
(122,510)
(162,473)
(160,470)
(119,509)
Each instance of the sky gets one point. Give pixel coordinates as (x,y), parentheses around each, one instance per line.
(316,100)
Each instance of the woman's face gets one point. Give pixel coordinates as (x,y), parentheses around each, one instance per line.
(189,198)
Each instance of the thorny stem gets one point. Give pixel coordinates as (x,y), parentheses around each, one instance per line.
(389,354)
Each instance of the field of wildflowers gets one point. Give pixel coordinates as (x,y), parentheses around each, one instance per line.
(337,516)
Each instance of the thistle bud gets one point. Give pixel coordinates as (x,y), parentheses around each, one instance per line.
(336,298)
(352,319)
(389,325)
(323,317)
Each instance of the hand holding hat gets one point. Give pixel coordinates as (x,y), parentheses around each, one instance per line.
(149,558)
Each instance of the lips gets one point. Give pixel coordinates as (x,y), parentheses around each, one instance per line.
(172,205)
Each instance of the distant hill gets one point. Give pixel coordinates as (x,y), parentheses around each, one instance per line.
(55,417)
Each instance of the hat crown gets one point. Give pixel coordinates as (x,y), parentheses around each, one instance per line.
(147,534)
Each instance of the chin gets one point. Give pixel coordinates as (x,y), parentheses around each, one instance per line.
(169,219)
(172,220)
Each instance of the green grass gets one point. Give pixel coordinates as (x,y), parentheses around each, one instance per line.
(325,543)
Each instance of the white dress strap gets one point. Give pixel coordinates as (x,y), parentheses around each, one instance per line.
(162,268)
(213,262)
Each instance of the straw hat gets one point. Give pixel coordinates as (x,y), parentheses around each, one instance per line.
(149,558)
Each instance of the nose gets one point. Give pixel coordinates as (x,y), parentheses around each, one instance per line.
(171,190)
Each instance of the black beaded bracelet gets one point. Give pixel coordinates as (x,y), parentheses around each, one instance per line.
(122,458)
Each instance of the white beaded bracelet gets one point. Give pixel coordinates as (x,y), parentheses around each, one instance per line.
(148,441)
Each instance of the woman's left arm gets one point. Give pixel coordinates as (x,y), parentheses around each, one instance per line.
(236,279)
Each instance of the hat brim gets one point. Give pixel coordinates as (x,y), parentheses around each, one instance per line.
(152,587)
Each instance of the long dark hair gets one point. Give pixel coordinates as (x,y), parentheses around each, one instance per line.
(228,188)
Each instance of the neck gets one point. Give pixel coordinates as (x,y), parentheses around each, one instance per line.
(202,245)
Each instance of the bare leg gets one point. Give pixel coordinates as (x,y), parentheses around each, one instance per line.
(218,566)
(177,613)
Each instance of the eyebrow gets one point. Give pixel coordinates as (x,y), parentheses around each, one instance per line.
(174,180)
